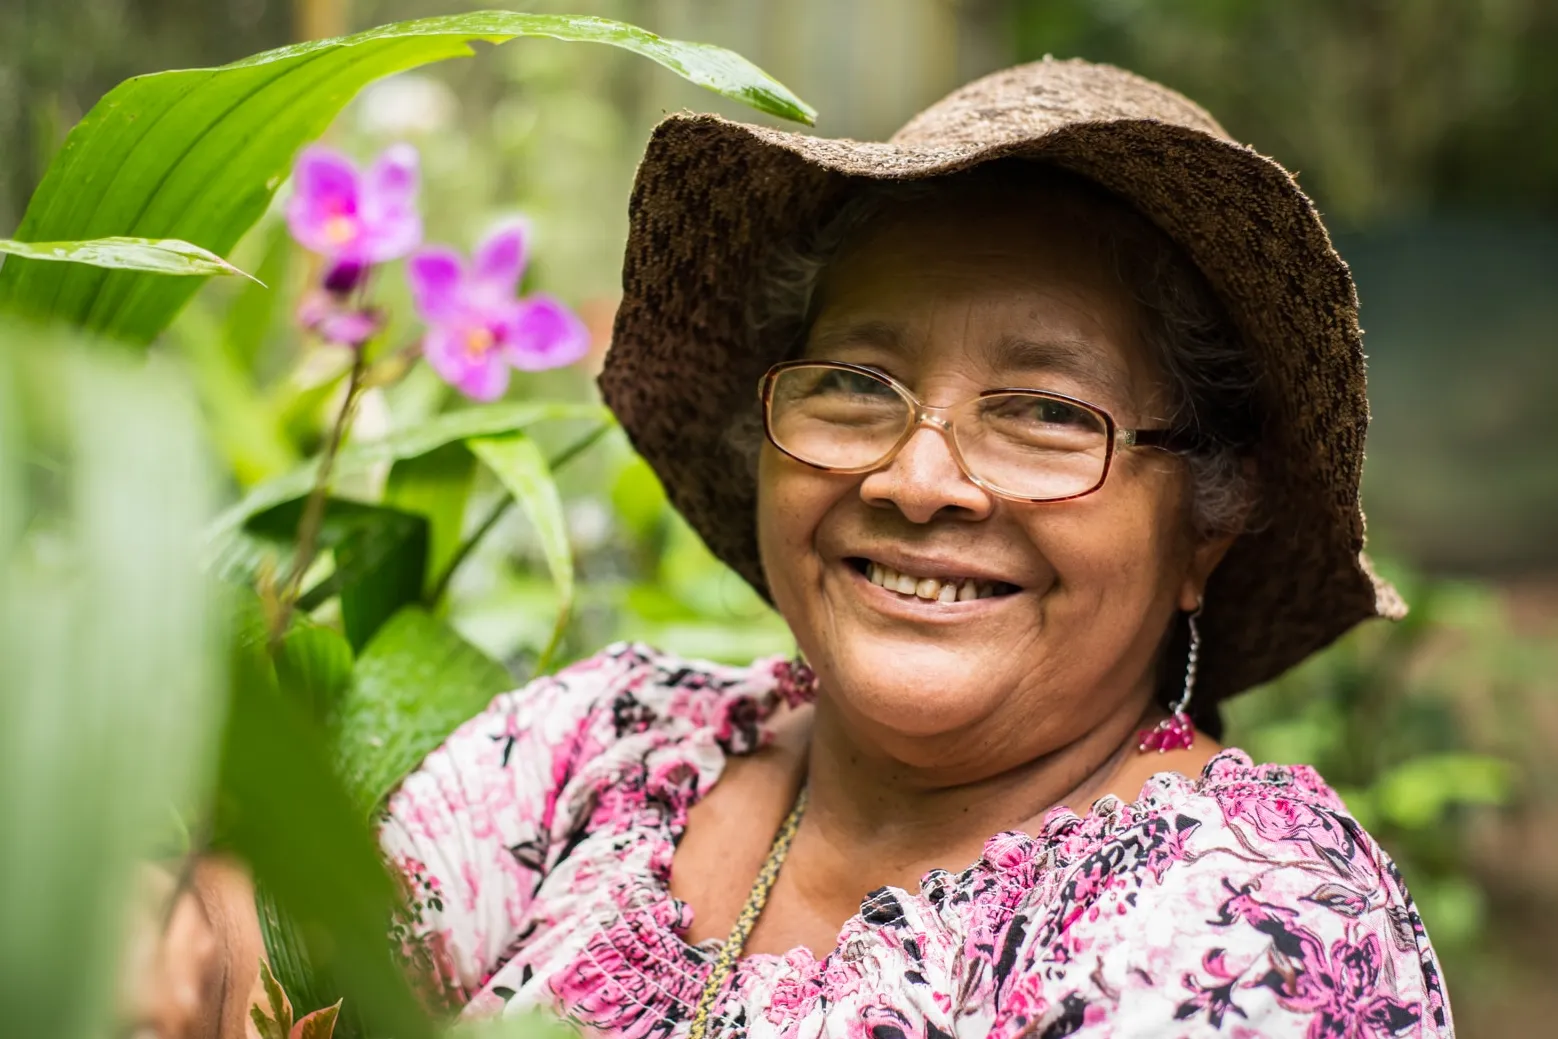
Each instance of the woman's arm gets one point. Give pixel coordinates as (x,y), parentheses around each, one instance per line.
(194,977)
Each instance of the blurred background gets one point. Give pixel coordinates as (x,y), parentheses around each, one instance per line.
(1427,132)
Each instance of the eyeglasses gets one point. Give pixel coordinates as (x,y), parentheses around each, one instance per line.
(1027,445)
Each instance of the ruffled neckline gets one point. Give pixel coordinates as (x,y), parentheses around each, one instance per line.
(739,725)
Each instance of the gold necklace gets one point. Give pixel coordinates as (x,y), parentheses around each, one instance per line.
(757,898)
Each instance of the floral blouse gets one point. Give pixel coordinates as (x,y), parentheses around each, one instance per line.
(537,842)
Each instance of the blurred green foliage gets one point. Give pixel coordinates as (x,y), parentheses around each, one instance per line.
(340,675)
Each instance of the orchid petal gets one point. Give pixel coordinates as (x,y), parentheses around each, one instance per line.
(479,375)
(349,327)
(436,276)
(542,333)
(499,262)
(324,315)
(392,226)
(322,213)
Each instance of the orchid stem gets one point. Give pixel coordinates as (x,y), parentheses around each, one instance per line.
(496,512)
(310,525)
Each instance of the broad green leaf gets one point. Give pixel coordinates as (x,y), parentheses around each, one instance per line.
(197,154)
(436,485)
(245,427)
(253,311)
(414,684)
(519,464)
(380,559)
(484,420)
(378,569)
(109,686)
(286,812)
(156,256)
(315,665)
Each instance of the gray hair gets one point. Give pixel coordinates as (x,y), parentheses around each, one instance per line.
(1214,381)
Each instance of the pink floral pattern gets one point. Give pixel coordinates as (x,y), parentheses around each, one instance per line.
(537,845)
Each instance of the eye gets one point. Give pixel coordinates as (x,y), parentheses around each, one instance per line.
(842,382)
(1041,411)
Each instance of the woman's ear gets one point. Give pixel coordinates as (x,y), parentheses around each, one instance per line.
(1203,560)
(1210,548)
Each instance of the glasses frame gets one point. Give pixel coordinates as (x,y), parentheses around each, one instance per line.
(938,418)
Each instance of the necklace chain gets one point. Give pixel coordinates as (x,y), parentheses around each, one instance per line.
(757,898)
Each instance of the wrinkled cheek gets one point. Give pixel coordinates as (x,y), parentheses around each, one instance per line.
(786,524)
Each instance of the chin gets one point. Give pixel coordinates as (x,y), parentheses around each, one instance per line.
(913,689)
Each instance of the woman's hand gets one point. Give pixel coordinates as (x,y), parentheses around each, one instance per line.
(190,969)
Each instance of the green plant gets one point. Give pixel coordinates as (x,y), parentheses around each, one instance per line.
(329,631)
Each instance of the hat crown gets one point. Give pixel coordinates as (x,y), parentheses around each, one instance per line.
(1018,103)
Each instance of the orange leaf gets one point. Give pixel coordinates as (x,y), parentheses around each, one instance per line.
(278,1024)
(318,1025)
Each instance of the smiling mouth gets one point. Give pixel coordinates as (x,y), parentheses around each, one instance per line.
(931,589)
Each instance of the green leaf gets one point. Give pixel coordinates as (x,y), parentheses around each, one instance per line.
(380,569)
(156,256)
(253,312)
(314,664)
(109,681)
(285,811)
(414,684)
(380,559)
(245,427)
(484,420)
(197,154)
(437,486)
(520,465)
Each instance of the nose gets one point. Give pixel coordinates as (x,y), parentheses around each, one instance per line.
(923,481)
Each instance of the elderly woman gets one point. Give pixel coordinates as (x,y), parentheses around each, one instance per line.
(1041,425)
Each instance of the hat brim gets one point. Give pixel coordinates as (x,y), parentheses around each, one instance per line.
(713,196)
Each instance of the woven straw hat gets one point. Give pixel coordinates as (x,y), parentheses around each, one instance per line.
(713,197)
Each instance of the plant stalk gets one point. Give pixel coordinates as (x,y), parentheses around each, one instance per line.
(312,521)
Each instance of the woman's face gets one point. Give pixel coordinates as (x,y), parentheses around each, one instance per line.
(951,299)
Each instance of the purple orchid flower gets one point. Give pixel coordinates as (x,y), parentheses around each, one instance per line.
(477,329)
(355,219)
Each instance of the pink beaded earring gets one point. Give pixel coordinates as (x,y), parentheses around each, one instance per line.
(1177,732)
(795,682)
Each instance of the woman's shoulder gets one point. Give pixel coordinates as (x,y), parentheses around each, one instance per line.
(629,689)
(1248,891)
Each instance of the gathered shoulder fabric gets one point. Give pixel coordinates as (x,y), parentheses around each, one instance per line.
(536,846)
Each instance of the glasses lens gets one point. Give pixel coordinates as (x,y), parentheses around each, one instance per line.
(1034,446)
(835,417)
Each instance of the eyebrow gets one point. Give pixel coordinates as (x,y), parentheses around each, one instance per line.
(883,334)
(1075,359)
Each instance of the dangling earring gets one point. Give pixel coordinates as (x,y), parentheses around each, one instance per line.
(1177,732)
(795,682)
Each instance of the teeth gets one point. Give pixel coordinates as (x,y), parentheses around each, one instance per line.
(929,588)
